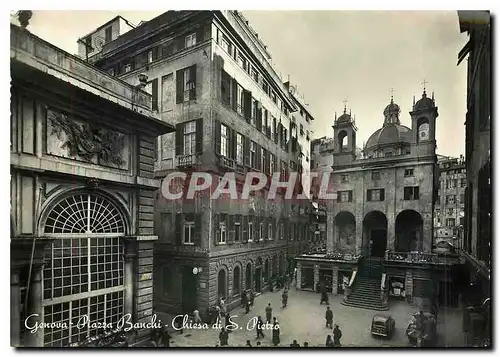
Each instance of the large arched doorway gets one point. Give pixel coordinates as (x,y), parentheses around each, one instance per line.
(236,281)
(375,234)
(345,231)
(258,275)
(248,276)
(274,266)
(84,274)
(409,231)
(266,271)
(222,284)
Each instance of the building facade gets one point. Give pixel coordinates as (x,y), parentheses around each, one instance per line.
(478,193)
(449,208)
(211,76)
(82,190)
(380,228)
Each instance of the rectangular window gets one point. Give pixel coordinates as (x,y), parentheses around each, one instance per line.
(226,45)
(344,196)
(450,199)
(261,232)
(463,182)
(237,232)
(242,62)
(224,140)
(270,232)
(375,195)
(222,239)
(188,233)
(190,40)
(108,34)
(255,75)
(190,138)
(265,87)
(263,163)
(265,121)
(451,212)
(239,99)
(255,107)
(225,88)
(375,175)
(274,97)
(150,56)
(408,172)
(188,83)
(344,178)
(128,68)
(239,149)
(253,153)
(411,193)
(450,222)
(282,231)
(271,163)
(250,231)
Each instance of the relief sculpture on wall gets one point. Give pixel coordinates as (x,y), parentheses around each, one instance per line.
(86,141)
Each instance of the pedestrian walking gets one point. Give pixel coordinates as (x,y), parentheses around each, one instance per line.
(165,338)
(259,327)
(269,313)
(329,341)
(294,344)
(329,317)
(244,299)
(223,337)
(324,297)
(196,317)
(337,335)
(284,297)
(306,344)
(276,332)
(248,344)
(252,298)
(247,307)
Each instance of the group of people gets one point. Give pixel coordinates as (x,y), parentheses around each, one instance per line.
(337,335)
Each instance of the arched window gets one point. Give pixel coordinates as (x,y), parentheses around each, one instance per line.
(84,274)
(221,284)
(236,281)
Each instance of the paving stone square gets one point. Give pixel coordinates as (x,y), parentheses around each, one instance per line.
(303,320)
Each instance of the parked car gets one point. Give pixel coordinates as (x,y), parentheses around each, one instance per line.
(422,330)
(383,325)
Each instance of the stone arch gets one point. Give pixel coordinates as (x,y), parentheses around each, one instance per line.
(343,140)
(237,283)
(248,275)
(345,232)
(409,231)
(222,282)
(375,234)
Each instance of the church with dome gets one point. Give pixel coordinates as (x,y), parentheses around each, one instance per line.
(380,227)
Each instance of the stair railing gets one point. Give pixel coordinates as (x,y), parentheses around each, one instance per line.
(384,292)
(348,288)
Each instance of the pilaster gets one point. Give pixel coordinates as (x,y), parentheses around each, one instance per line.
(316,276)
(335,280)
(298,281)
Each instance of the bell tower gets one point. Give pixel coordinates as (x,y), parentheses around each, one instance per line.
(423,123)
(344,138)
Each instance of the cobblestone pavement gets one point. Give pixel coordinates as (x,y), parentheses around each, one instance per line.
(303,320)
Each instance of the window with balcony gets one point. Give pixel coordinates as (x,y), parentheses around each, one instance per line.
(239,149)
(411,193)
(224,140)
(190,138)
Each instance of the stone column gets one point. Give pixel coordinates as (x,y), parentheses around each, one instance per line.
(391,232)
(335,280)
(409,286)
(15,313)
(299,276)
(36,308)
(316,276)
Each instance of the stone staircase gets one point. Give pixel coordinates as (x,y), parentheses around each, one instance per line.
(366,289)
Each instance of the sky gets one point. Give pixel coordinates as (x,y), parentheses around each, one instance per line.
(333,56)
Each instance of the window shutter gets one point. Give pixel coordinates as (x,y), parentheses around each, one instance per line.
(217,136)
(179,85)
(179,139)
(192,78)
(200,34)
(382,194)
(154,94)
(350,196)
(257,157)
(256,228)
(197,230)
(259,116)
(226,84)
(417,193)
(246,150)
(247,104)
(178,229)
(231,228)
(368,195)
(199,136)
(234,94)
(234,141)
(275,129)
(244,229)
(216,229)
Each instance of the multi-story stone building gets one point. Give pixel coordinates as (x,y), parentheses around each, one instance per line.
(82,191)
(449,207)
(380,227)
(211,76)
(322,154)
(478,195)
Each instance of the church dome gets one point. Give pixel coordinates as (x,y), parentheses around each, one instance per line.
(424,103)
(344,118)
(389,134)
(392,108)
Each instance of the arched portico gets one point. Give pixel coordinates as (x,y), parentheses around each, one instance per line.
(375,234)
(409,231)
